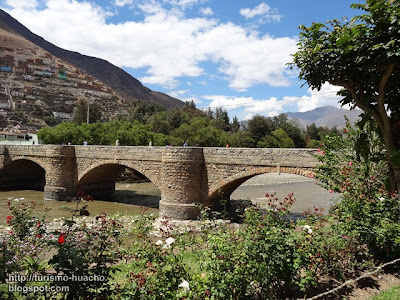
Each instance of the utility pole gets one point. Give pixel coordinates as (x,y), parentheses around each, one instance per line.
(87,114)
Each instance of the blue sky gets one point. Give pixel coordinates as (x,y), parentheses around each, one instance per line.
(226,53)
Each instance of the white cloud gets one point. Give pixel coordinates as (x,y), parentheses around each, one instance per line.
(122,3)
(22,4)
(326,96)
(207,11)
(182,2)
(246,107)
(248,59)
(165,43)
(262,10)
(259,10)
(178,94)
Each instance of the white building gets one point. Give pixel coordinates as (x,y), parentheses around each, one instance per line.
(18,138)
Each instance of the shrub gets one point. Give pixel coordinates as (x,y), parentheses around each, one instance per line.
(357,169)
(82,253)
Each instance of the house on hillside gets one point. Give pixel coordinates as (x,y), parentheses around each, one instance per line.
(18,138)
(63,115)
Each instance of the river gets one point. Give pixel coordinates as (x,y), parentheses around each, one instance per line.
(133,198)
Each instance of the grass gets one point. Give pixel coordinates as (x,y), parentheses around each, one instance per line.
(391,294)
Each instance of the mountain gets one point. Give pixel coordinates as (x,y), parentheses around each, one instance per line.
(328,116)
(39,88)
(127,86)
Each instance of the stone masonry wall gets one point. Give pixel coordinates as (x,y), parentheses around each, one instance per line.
(184,175)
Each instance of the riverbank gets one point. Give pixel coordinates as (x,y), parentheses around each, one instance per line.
(275,178)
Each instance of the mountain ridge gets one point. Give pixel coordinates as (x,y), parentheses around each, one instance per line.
(329,116)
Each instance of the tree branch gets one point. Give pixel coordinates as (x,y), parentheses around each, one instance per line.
(381,104)
(359,99)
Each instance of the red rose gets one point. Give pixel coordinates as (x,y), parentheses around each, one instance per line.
(81,193)
(61,239)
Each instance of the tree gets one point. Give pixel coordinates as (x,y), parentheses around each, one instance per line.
(362,56)
(280,120)
(82,112)
(242,139)
(221,119)
(268,141)
(284,141)
(201,133)
(312,132)
(141,110)
(294,134)
(159,123)
(235,125)
(259,126)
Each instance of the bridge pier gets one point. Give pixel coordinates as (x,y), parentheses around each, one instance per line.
(61,177)
(182,182)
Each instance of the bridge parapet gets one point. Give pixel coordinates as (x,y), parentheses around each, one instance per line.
(37,150)
(261,156)
(120,152)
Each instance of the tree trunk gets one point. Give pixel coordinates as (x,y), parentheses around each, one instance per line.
(394,172)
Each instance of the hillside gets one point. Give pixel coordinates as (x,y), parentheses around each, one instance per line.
(37,86)
(119,80)
(328,116)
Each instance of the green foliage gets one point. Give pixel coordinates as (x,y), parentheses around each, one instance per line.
(313,132)
(282,138)
(241,139)
(366,209)
(87,252)
(147,121)
(259,126)
(82,253)
(221,120)
(256,262)
(199,132)
(85,109)
(235,125)
(141,111)
(312,144)
(21,219)
(362,56)
(268,141)
(159,123)
(127,133)
(389,294)
(51,121)
(295,134)
(22,250)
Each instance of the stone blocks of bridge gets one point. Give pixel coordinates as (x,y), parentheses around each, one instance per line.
(182,182)
(61,176)
(184,175)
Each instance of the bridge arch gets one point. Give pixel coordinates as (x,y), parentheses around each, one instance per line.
(224,188)
(99,178)
(22,173)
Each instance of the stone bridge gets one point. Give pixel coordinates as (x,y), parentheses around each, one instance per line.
(184,176)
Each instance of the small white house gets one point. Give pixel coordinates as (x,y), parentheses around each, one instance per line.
(18,138)
(62,115)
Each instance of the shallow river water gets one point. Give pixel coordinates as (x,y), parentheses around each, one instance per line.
(132,198)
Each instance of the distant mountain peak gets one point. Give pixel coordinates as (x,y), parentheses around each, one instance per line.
(329,116)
